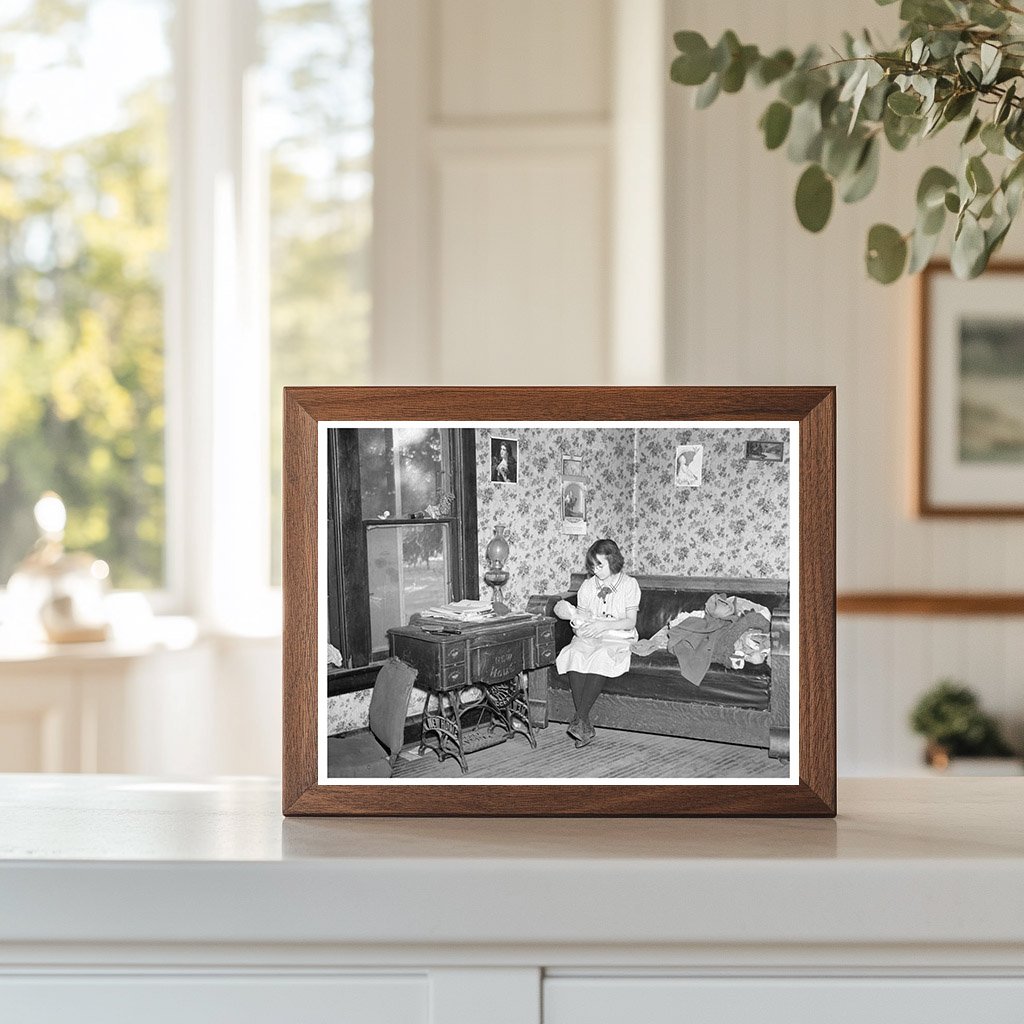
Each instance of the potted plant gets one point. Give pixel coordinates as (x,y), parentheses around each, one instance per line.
(950,717)
(956,62)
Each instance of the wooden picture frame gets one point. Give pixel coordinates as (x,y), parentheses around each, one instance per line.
(806,415)
(969,449)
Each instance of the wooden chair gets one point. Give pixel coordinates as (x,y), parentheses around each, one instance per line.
(371,753)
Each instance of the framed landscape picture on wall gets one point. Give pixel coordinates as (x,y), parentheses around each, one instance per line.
(970,445)
(618,644)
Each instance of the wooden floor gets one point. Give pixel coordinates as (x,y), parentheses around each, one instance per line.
(615,754)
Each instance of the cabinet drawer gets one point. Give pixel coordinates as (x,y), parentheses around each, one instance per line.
(660,1000)
(198,999)
(498,662)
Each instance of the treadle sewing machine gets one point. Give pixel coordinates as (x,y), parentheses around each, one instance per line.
(475,676)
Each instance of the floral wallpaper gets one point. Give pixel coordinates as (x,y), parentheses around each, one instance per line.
(542,557)
(736,523)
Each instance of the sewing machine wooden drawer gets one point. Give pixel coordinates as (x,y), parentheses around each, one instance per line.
(498,662)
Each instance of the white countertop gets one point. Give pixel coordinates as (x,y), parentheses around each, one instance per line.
(124,859)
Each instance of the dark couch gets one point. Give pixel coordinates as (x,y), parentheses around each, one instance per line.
(748,705)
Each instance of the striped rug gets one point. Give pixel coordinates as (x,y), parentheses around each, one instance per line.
(615,754)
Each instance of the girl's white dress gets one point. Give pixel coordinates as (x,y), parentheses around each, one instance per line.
(607,655)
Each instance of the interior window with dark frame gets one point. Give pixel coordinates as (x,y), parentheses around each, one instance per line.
(401,530)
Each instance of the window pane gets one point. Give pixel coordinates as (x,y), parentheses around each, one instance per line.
(317,123)
(401,471)
(83,235)
(408,573)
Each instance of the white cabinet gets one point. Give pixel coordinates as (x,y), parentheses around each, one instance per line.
(128,898)
(824,1000)
(202,999)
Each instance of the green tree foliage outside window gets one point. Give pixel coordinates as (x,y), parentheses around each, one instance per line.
(83,229)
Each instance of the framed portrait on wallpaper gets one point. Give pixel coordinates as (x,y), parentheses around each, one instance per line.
(656,637)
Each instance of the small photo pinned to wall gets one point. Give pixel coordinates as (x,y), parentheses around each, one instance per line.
(689,465)
(504,460)
(766,451)
(572,466)
(574,507)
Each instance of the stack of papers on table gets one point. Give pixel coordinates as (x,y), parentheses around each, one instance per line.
(462,611)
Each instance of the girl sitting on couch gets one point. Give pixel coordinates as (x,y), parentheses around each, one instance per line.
(604,623)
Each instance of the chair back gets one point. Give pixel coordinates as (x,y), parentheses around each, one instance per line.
(389,704)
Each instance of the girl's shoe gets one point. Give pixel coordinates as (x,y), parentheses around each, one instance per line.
(587,736)
(575,730)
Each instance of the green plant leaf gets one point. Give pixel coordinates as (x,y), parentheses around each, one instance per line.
(931,191)
(1004,106)
(978,176)
(865,173)
(771,69)
(775,124)
(993,138)
(794,89)
(707,93)
(887,253)
(968,248)
(987,15)
(922,247)
(805,133)
(973,129)
(725,49)
(904,103)
(814,194)
(952,202)
(735,74)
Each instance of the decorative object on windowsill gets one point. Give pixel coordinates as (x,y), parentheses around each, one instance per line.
(950,717)
(497,575)
(442,510)
(62,593)
(955,61)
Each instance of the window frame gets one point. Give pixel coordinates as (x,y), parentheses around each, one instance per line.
(347,570)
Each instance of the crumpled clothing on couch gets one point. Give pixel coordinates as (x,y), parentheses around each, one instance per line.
(699,638)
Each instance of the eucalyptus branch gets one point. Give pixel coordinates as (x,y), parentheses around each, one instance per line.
(834,116)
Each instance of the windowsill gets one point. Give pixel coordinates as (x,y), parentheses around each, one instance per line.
(161,633)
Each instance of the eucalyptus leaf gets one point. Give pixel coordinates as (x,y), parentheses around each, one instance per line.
(775,123)
(725,50)
(805,133)
(903,103)
(978,176)
(968,247)
(922,248)
(973,130)
(865,174)
(794,88)
(771,69)
(886,254)
(814,194)
(707,93)
(952,202)
(931,190)
(991,61)
(993,138)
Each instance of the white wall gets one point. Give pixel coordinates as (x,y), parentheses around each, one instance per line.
(753,298)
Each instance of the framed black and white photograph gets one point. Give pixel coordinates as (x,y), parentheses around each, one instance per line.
(574,507)
(572,467)
(689,465)
(766,451)
(970,445)
(504,460)
(468,655)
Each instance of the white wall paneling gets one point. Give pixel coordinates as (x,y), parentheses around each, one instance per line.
(752,298)
(519,239)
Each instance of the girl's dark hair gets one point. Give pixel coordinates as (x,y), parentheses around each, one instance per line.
(610,550)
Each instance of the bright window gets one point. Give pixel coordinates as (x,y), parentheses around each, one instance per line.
(83,238)
(317,126)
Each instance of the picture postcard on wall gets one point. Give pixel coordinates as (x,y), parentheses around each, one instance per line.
(620,643)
